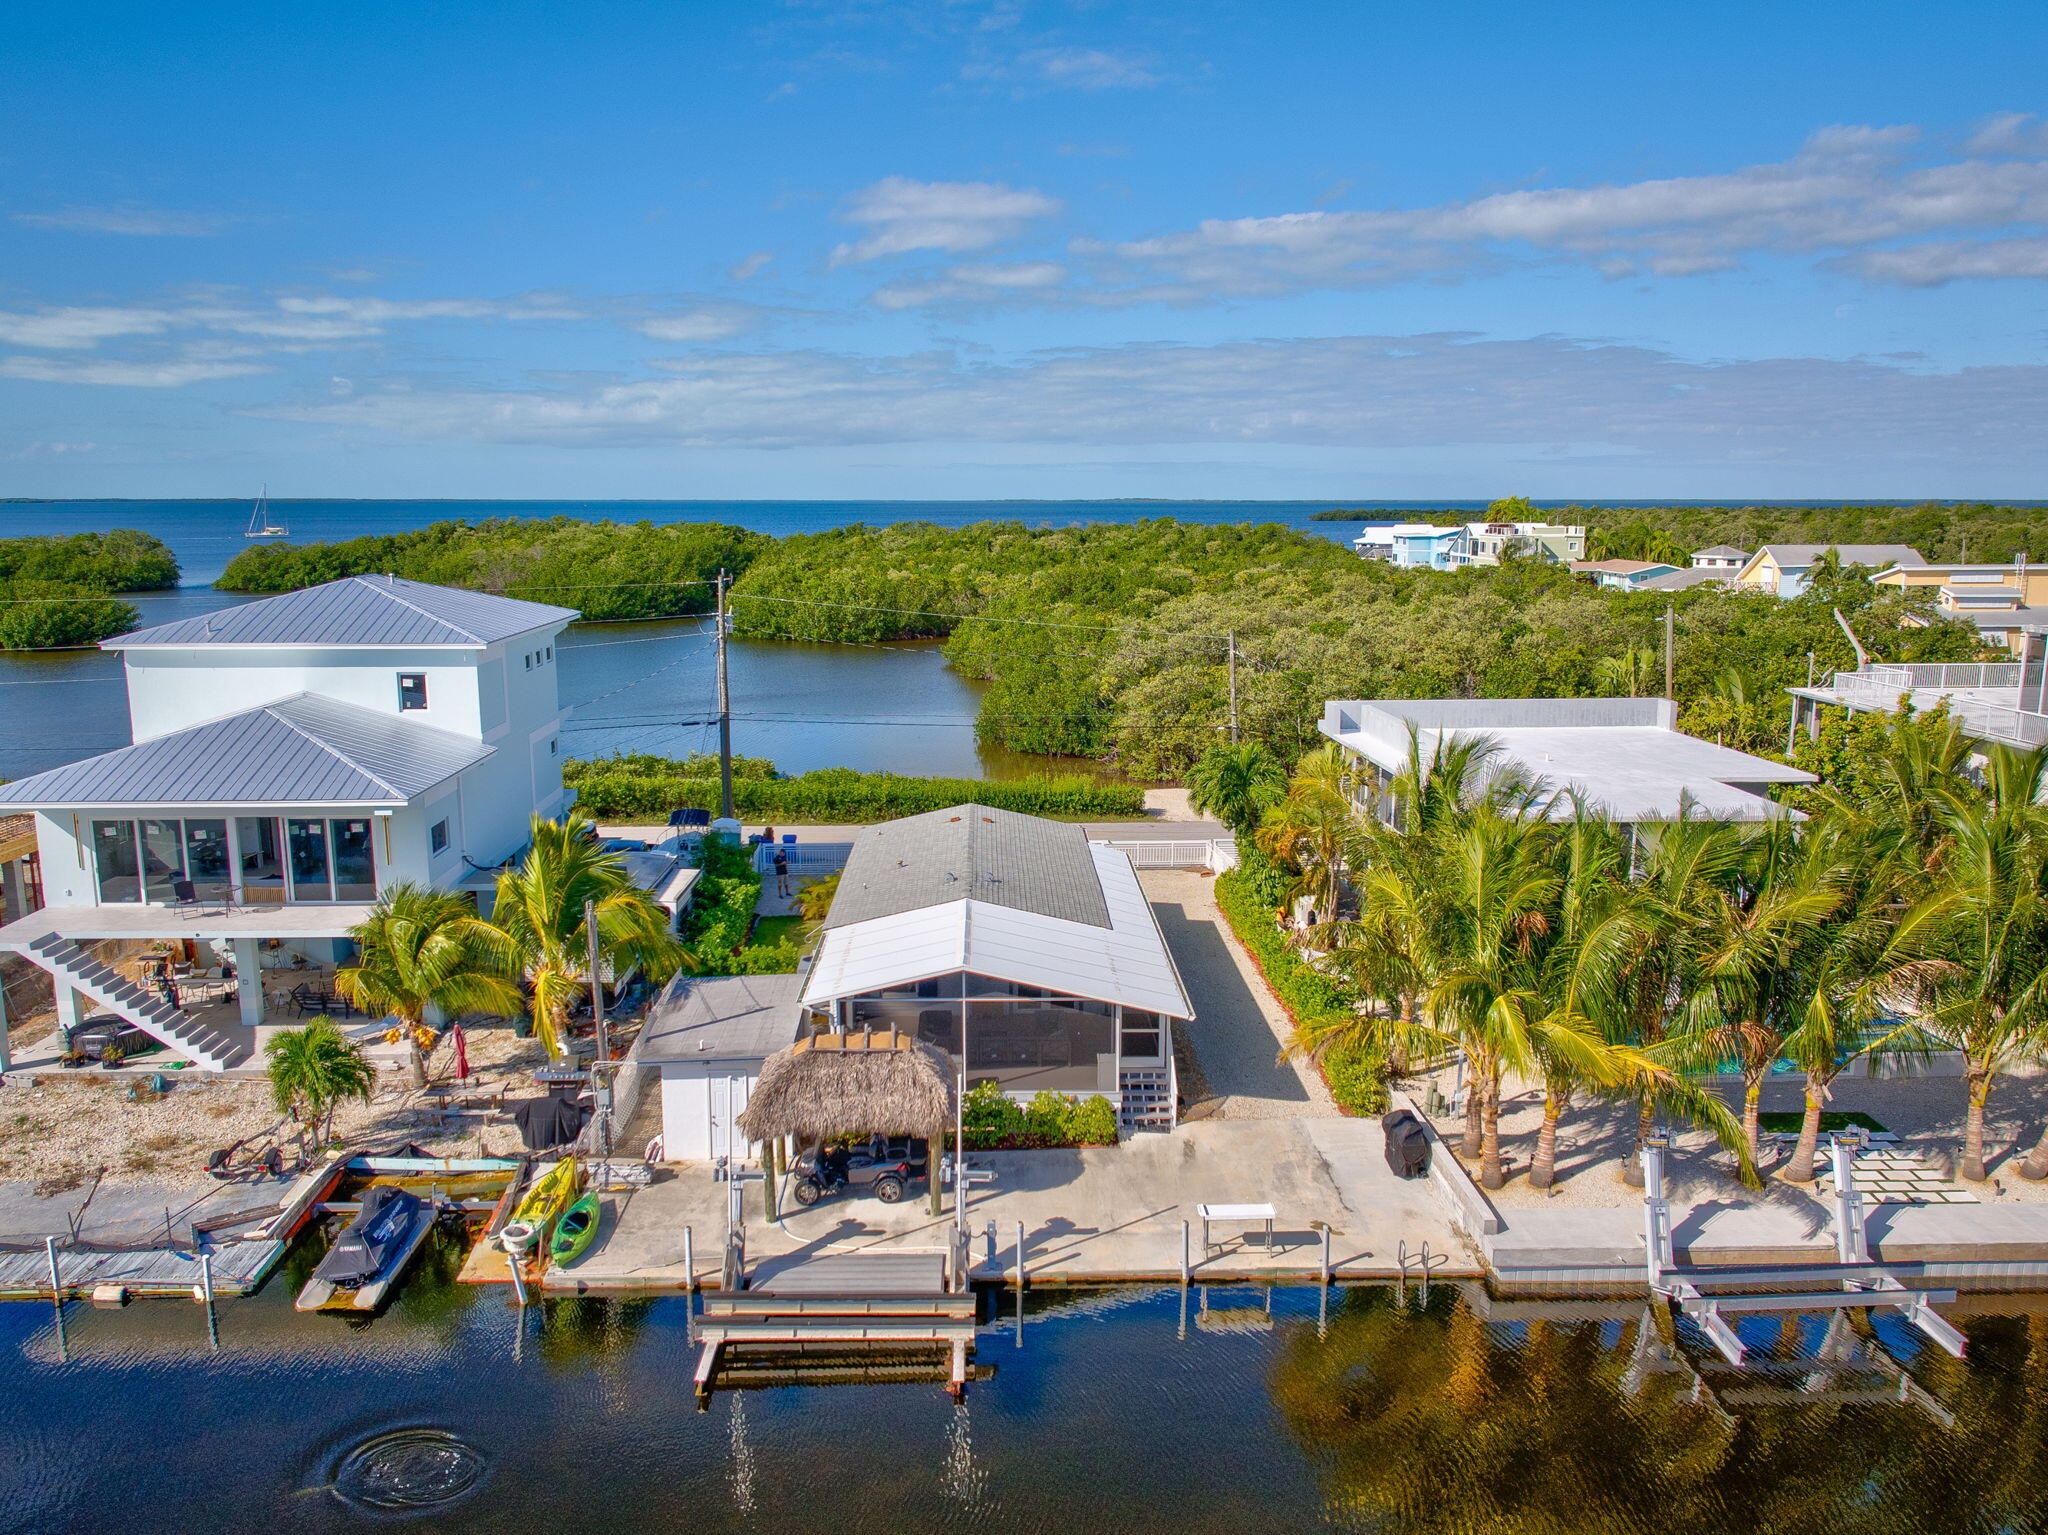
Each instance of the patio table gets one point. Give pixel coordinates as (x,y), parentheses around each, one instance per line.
(1251,1213)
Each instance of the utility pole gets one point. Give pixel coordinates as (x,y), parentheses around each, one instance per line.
(601,1087)
(724,713)
(1232,637)
(1669,652)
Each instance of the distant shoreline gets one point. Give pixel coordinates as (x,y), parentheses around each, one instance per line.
(1334,502)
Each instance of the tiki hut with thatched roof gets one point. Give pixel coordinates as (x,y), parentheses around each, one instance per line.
(834,1085)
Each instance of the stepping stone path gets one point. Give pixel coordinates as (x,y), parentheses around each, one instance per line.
(1901,1178)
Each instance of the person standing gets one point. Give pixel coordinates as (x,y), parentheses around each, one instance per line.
(781,871)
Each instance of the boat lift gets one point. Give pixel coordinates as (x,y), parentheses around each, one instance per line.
(1864,1282)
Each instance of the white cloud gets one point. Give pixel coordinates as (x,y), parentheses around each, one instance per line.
(974,283)
(1930,265)
(717,322)
(1849,189)
(169,374)
(905,215)
(753,266)
(1350,391)
(125,221)
(1084,69)
(2010,133)
(380,311)
(79,327)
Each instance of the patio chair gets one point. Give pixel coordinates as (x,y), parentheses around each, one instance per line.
(183,894)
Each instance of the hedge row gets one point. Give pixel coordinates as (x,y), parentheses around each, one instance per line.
(840,796)
(1356,1075)
(994,1122)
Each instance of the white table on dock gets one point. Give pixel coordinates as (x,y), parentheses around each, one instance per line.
(1236,1213)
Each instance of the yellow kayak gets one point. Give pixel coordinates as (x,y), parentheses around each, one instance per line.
(548,1197)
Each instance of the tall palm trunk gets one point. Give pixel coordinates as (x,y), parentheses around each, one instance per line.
(1646,1126)
(1981,1081)
(1543,1169)
(1752,1110)
(1490,1174)
(1475,1113)
(1808,1149)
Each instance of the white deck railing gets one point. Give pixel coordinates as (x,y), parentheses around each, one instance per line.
(1983,696)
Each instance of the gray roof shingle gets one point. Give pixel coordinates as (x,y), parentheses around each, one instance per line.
(1879,556)
(997,856)
(360,610)
(727,1017)
(301,750)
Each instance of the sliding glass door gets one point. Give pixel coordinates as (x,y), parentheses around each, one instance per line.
(269,860)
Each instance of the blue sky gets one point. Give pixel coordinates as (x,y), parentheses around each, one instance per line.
(1001,248)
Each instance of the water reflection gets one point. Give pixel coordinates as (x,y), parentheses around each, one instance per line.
(1463,1413)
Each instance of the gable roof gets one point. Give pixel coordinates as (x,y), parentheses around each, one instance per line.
(997,857)
(358,610)
(1683,580)
(301,750)
(1721,552)
(1618,567)
(1125,959)
(1880,555)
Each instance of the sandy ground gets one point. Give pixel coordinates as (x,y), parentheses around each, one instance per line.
(56,1131)
(1239,1027)
(1925,1112)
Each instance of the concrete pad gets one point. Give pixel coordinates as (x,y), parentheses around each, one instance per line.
(1109,1213)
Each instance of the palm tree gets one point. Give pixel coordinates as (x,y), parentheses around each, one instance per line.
(1237,783)
(1992,1005)
(421,952)
(314,1070)
(1309,829)
(1876,959)
(814,897)
(538,915)
(1632,672)
(1761,910)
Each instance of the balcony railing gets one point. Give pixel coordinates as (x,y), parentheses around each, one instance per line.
(1982,696)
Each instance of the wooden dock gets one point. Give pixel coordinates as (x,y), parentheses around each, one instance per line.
(838,1311)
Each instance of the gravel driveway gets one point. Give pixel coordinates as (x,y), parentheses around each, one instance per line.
(1239,1027)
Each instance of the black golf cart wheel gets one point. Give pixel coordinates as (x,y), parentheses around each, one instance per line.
(806,1192)
(888,1190)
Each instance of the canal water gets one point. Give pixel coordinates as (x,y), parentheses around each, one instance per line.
(1103,1411)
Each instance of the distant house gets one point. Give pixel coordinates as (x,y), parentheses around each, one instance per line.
(1548,542)
(292,757)
(1781,568)
(1423,545)
(1685,580)
(1720,557)
(2002,601)
(1376,543)
(1024,952)
(1623,756)
(1621,575)
(1995,702)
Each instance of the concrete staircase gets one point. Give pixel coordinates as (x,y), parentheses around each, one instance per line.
(179,1030)
(1147,1094)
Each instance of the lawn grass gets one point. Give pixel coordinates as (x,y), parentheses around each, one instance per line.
(1830,1119)
(769,931)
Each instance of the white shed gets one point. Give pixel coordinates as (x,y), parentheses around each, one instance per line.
(704,1042)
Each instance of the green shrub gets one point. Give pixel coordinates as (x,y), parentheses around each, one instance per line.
(995,1122)
(36,615)
(120,560)
(1093,1122)
(615,790)
(1356,1074)
(767,958)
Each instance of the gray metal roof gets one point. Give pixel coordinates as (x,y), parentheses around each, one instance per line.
(1721,551)
(1683,580)
(997,856)
(725,1017)
(360,610)
(304,749)
(1878,555)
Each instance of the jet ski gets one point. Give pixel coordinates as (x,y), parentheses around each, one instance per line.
(367,1258)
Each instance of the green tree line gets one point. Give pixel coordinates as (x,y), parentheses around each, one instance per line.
(56,592)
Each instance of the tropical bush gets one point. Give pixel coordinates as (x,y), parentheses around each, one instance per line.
(41,615)
(994,1122)
(635,790)
(314,1070)
(120,560)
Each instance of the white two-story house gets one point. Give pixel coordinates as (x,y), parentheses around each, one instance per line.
(292,757)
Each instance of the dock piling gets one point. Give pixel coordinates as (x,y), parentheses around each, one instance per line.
(690,1264)
(56,1280)
(1184,1266)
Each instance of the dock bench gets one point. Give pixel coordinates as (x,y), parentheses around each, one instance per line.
(1241,1213)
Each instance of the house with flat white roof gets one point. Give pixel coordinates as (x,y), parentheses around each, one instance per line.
(1624,757)
(1024,952)
(291,758)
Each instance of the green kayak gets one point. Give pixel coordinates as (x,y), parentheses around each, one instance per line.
(574,1230)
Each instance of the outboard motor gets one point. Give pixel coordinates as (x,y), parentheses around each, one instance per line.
(1407,1144)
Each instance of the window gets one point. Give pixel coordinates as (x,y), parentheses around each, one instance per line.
(412,690)
(113,852)
(355,872)
(1142,1035)
(437,836)
(529,660)
(307,843)
(551,652)
(554,745)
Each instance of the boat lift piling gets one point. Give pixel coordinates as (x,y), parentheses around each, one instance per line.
(1864,1283)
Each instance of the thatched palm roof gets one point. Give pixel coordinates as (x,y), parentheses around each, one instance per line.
(831,1085)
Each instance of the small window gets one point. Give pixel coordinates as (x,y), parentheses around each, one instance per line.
(529,660)
(412,690)
(551,652)
(554,742)
(437,836)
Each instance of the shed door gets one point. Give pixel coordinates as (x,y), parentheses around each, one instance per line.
(728,1096)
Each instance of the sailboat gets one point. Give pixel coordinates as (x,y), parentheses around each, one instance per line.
(260,525)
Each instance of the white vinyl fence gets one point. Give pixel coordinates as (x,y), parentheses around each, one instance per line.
(1217,856)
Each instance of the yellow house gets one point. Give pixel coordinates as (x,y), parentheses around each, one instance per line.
(1782,568)
(2003,601)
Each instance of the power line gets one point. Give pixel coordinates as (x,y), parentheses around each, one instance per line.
(982,618)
